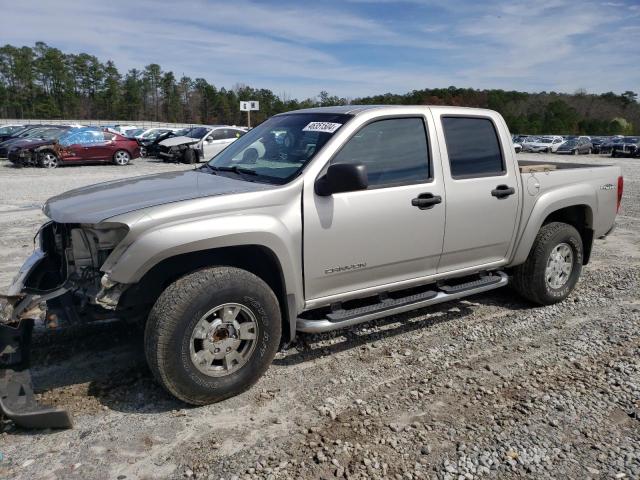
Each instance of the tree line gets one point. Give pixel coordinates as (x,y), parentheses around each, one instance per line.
(44,82)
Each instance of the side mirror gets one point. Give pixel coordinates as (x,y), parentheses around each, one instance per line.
(210,139)
(342,177)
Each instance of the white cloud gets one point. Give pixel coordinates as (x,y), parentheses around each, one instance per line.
(301,48)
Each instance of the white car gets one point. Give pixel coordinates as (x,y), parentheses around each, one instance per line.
(199,143)
(546,144)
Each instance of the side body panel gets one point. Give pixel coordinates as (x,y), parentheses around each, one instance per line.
(165,231)
(545,193)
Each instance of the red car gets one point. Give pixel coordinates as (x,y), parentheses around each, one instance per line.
(86,145)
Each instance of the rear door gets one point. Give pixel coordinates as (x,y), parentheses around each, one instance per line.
(482,190)
(103,146)
(376,237)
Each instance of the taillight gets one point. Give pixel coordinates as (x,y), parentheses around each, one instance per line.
(620,189)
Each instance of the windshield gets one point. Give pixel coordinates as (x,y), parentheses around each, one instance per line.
(546,140)
(197,132)
(7,130)
(570,143)
(277,150)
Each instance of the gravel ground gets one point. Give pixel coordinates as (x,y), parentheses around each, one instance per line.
(486,387)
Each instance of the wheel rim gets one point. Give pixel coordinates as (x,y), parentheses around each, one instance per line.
(49,160)
(223,340)
(122,158)
(559,266)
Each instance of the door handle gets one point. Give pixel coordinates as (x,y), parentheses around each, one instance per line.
(424,201)
(503,191)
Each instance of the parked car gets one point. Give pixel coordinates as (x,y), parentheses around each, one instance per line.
(626,147)
(133,134)
(150,147)
(608,146)
(596,142)
(542,144)
(199,143)
(25,152)
(85,145)
(33,131)
(149,136)
(7,130)
(576,146)
(226,262)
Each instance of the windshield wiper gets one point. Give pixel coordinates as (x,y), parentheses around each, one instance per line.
(234,169)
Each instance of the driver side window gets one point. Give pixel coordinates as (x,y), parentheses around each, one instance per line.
(395,152)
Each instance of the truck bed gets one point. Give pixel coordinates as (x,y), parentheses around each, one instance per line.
(527,166)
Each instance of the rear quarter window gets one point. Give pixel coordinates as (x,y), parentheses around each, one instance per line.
(473,147)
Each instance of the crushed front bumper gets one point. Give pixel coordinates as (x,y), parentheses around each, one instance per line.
(17,399)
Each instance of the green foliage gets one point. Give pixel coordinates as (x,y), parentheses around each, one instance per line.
(44,82)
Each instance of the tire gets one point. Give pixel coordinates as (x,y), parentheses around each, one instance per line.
(48,160)
(576,152)
(189,156)
(173,334)
(589,152)
(121,158)
(531,278)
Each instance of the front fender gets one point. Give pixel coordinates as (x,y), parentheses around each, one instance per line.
(545,205)
(164,241)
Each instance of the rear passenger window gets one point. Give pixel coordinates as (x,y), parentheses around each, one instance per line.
(473,146)
(395,152)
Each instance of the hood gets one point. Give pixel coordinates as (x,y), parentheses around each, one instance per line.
(96,203)
(170,142)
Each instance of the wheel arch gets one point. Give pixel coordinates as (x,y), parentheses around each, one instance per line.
(575,210)
(257,259)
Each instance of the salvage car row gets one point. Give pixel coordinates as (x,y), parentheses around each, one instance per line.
(616,146)
(50,146)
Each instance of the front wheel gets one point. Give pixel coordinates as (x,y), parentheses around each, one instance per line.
(212,334)
(189,156)
(553,266)
(121,158)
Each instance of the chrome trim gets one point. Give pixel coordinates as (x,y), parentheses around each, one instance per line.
(321,326)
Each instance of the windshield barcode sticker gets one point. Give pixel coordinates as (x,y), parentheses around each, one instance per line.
(326,127)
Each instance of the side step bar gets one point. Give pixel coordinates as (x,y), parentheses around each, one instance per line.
(342,318)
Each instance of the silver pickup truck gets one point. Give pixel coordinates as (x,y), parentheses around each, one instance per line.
(315,220)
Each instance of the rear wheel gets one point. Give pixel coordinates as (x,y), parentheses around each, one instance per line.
(576,152)
(48,160)
(553,267)
(122,158)
(212,334)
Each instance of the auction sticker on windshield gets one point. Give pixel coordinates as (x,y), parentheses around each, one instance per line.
(327,127)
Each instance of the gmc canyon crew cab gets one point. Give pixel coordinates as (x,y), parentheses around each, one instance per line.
(315,220)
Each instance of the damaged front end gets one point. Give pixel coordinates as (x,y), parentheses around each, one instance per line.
(61,283)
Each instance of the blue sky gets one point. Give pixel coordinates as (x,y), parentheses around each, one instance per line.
(351,47)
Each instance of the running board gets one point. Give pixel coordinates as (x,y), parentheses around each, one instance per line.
(342,318)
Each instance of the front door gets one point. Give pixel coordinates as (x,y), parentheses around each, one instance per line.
(482,192)
(371,238)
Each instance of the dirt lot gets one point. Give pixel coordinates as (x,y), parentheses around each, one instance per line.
(487,387)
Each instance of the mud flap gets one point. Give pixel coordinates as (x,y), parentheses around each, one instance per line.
(17,400)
